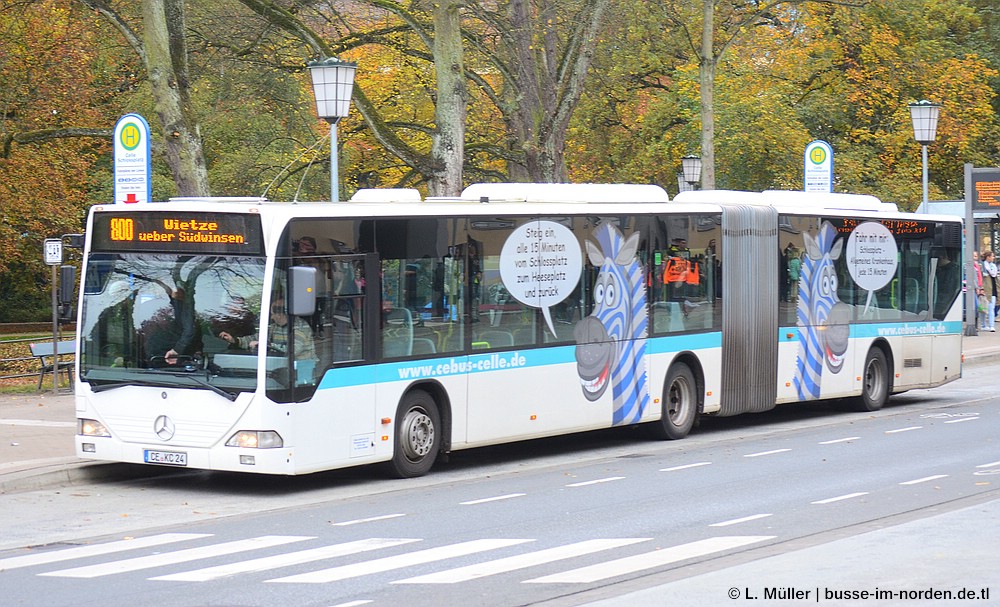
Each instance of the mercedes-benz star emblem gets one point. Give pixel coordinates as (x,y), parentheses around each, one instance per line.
(164,427)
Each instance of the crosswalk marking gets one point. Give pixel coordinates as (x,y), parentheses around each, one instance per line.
(396,562)
(284,560)
(521,561)
(648,560)
(179,556)
(66,554)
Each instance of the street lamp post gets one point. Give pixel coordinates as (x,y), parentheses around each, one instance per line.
(333,84)
(682,184)
(691,165)
(924,115)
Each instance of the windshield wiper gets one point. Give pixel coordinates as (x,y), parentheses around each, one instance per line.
(162,384)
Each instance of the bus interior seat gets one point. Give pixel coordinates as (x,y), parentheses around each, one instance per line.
(496,339)
(423,345)
(397,334)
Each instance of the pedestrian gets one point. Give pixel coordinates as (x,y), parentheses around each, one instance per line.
(980,294)
(990,286)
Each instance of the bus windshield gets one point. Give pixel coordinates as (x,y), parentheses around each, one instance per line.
(170,320)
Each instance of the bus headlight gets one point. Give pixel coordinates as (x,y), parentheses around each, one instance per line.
(92,427)
(256,439)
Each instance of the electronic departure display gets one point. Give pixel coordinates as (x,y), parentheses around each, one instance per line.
(187,232)
(898,227)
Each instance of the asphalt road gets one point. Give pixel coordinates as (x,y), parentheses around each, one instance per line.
(768,507)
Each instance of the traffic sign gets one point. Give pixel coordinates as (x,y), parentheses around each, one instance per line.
(818,176)
(132,160)
(53,251)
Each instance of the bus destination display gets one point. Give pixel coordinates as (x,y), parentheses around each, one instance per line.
(209,233)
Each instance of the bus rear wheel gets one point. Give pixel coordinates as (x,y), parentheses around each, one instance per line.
(875,382)
(679,405)
(418,435)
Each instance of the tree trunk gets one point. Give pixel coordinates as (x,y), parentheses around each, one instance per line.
(549,67)
(448,145)
(166,64)
(707,74)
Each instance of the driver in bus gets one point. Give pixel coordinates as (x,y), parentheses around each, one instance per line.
(278,337)
(185,325)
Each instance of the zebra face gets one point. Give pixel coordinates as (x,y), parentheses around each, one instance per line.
(820,310)
(595,353)
(835,334)
(610,342)
(830,316)
(598,335)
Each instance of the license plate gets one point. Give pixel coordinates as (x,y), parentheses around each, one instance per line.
(170,458)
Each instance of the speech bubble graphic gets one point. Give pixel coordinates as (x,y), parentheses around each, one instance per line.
(871,257)
(540,265)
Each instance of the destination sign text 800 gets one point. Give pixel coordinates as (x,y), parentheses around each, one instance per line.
(210,233)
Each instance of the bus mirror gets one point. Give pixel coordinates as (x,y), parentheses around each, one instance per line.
(301,291)
(67,283)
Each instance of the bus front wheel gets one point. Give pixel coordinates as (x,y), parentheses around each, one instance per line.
(875,382)
(418,435)
(680,404)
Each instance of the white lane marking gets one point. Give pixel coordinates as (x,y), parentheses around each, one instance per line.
(772,452)
(354,603)
(38,423)
(285,560)
(80,552)
(737,521)
(964,419)
(685,466)
(521,561)
(596,482)
(179,556)
(367,520)
(925,479)
(648,560)
(492,499)
(396,562)
(840,440)
(897,431)
(989,465)
(830,500)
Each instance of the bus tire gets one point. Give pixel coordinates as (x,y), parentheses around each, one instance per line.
(874,382)
(679,405)
(418,435)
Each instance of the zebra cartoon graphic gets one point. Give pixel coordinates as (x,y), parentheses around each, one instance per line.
(611,344)
(822,317)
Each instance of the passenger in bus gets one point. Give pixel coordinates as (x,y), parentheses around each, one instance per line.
(948,278)
(794,270)
(185,326)
(305,254)
(991,278)
(278,338)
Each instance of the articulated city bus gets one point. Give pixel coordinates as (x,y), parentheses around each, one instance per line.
(289,338)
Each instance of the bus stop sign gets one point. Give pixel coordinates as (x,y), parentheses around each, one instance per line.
(53,251)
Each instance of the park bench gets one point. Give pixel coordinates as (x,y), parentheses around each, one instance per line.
(43,352)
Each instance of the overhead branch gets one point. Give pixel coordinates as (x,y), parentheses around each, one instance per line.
(9,139)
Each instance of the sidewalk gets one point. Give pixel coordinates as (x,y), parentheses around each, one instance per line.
(37,429)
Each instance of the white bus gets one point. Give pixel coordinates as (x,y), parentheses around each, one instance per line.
(289,338)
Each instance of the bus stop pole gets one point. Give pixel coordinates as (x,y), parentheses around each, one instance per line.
(55,333)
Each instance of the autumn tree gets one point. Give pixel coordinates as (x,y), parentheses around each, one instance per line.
(54,76)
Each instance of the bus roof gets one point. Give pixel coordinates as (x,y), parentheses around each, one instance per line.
(790,199)
(564,192)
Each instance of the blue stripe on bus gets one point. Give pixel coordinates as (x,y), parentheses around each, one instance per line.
(494,361)
(887,329)
(541,357)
